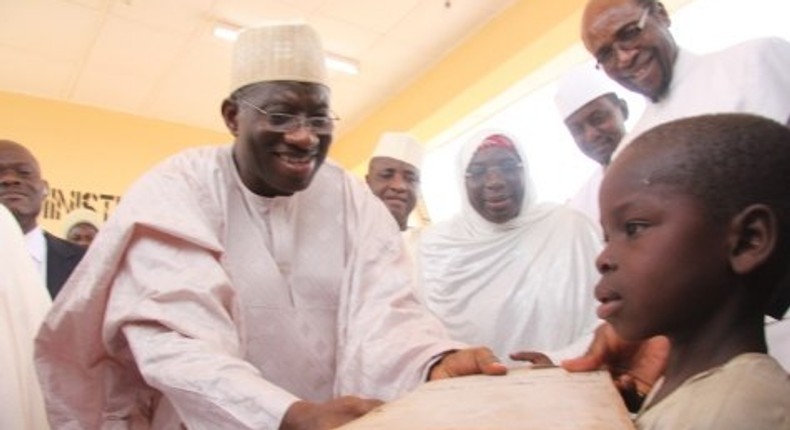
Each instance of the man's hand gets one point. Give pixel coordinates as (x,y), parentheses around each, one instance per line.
(468,361)
(324,416)
(635,366)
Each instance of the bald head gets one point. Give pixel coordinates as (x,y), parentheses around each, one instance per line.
(22,190)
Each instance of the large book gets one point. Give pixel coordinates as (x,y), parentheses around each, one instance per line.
(534,399)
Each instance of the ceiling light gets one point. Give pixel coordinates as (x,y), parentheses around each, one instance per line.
(341,64)
(226,32)
(333,61)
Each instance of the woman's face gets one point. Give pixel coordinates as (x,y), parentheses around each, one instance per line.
(495,183)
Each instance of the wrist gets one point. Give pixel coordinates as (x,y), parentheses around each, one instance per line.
(435,371)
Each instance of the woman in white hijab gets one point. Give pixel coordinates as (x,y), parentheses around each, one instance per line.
(23,303)
(508,273)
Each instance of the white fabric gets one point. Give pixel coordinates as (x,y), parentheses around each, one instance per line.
(37,248)
(580,86)
(202,303)
(411,238)
(749,77)
(586,198)
(278,52)
(23,303)
(777,335)
(526,284)
(751,391)
(400,146)
(77,216)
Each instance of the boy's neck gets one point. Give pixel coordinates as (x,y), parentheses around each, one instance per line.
(713,346)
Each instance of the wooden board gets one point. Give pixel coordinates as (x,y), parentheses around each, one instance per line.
(534,399)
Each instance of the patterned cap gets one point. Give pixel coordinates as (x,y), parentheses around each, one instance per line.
(278,52)
(400,146)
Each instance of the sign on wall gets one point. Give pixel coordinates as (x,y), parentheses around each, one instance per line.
(60,202)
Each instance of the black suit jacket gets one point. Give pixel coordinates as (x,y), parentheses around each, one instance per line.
(62,258)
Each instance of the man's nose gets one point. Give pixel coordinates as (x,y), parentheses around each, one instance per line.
(397,182)
(590,133)
(624,56)
(302,136)
(8,177)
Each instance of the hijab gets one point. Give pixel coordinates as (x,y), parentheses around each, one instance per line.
(524,284)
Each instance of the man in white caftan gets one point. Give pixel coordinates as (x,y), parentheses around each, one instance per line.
(244,287)
(23,303)
(394,177)
(749,77)
(595,116)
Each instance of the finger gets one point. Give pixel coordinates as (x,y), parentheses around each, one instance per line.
(488,363)
(650,362)
(536,358)
(584,363)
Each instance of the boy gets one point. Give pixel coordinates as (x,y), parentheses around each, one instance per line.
(695,213)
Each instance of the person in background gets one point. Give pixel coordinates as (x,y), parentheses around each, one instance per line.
(509,272)
(81,226)
(24,302)
(631,42)
(394,177)
(595,116)
(22,191)
(248,286)
(696,216)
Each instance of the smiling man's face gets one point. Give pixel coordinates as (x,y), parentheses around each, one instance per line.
(639,59)
(396,183)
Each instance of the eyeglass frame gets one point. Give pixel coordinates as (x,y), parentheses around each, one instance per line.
(619,40)
(293,122)
(507,167)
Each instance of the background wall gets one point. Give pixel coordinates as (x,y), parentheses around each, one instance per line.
(90,156)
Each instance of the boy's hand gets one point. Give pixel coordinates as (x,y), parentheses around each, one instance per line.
(633,365)
(468,361)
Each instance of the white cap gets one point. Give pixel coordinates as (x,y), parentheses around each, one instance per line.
(79,216)
(400,146)
(580,86)
(278,52)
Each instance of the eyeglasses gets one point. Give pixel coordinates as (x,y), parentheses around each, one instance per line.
(478,172)
(288,123)
(624,40)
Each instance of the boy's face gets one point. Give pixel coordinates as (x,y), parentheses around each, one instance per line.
(664,261)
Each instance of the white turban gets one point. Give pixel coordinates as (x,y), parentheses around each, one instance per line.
(400,146)
(80,216)
(580,86)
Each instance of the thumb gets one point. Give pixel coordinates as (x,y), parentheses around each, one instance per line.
(582,364)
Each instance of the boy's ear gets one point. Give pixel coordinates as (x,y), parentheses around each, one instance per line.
(753,235)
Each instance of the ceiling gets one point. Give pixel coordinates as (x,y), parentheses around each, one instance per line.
(158,58)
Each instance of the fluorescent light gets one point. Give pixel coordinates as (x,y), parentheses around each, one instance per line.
(226,32)
(341,64)
(333,61)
